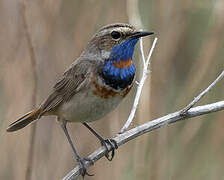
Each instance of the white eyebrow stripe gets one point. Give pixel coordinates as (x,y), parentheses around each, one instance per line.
(119,29)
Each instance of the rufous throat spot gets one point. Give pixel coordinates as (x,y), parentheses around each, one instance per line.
(123,63)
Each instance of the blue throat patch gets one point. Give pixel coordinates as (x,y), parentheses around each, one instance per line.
(119,70)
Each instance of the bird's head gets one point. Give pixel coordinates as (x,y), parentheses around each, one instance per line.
(116,41)
(114,46)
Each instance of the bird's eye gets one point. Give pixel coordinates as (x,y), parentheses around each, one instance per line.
(115,35)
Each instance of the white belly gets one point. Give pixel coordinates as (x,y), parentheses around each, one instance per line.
(86,107)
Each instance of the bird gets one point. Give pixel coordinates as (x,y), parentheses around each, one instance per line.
(93,85)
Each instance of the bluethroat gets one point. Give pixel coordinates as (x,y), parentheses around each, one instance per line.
(93,85)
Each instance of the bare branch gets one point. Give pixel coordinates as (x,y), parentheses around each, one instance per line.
(141,83)
(154,124)
(142,52)
(196,99)
(147,127)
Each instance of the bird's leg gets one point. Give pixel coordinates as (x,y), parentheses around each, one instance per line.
(80,160)
(104,142)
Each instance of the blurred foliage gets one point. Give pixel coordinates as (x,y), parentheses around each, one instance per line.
(188,57)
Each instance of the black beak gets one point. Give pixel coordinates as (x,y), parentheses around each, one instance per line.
(140,34)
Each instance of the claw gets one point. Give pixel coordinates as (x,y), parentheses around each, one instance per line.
(82,169)
(113,145)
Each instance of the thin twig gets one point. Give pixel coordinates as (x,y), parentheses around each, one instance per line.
(155,124)
(142,52)
(196,99)
(140,85)
(147,127)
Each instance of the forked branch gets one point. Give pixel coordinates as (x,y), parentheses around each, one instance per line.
(184,114)
(147,127)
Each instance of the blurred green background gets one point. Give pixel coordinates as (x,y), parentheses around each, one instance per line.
(187,58)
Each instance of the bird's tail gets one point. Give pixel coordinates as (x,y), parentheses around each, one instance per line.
(24,120)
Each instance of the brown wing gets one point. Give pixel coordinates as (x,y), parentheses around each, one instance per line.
(73,80)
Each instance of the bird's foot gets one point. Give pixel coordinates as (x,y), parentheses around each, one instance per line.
(83,170)
(113,144)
